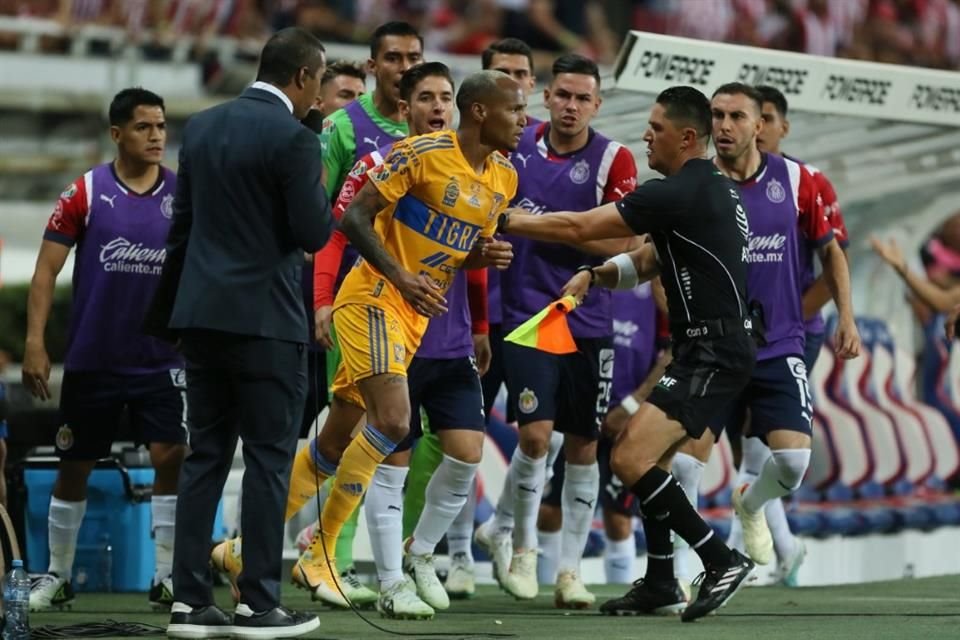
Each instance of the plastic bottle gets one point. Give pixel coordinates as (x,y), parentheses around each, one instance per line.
(16,603)
(106,564)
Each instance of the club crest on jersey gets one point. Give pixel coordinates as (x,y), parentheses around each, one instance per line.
(497,204)
(451,193)
(580,172)
(775,191)
(69,192)
(64,439)
(399,353)
(527,401)
(358,170)
(166,206)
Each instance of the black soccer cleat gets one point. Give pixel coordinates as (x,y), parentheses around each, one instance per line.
(718,584)
(648,598)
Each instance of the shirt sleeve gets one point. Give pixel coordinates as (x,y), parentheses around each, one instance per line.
(69,218)
(831,209)
(400,170)
(651,206)
(326,264)
(622,178)
(812,220)
(335,153)
(477,299)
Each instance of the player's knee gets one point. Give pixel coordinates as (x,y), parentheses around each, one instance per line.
(394,423)
(792,465)
(534,442)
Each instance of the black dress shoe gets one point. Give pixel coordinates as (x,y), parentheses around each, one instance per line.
(279,622)
(198,622)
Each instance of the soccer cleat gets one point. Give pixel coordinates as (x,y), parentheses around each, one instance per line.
(48,591)
(648,598)
(789,567)
(570,593)
(161,595)
(756,534)
(402,603)
(358,593)
(424,576)
(461,581)
(521,580)
(498,544)
(317,575)
(719,584)
(225,558)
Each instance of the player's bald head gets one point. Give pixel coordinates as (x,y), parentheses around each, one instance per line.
(486,87)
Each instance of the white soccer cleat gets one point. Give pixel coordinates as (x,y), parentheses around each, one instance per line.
(570,593)
(756,534)
(429,587)
(401,603)
(48,591)
(789,567)
(499,546)
(358,593)
(461,580)
(521,580)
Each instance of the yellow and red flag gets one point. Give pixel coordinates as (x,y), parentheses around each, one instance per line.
(548,330)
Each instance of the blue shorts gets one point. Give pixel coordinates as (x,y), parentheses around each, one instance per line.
(571,390)
(777,397)
(450,394)
(92,403)
(811,349)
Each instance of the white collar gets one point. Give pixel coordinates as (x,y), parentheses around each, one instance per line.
(269,88)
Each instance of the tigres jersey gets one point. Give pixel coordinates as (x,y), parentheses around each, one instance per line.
(439,208)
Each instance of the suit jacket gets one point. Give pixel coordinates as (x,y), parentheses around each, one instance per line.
(249,202)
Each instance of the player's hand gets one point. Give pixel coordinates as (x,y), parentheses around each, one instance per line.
(483,352)
(890,252)
(950,323)
(847,339)
(615,422)
(422,294)
(322,323)
(577,286)
(36,371)
(496,253)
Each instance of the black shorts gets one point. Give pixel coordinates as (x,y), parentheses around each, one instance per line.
(572,390)
(777,397)
(704,379)
(92,403)
(450,394)
(553,490)
(812,344)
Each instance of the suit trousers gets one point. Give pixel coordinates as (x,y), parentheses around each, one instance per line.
(253,388)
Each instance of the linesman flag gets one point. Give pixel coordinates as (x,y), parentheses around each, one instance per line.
(548,330)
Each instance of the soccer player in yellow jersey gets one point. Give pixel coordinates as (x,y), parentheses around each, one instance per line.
(429,209)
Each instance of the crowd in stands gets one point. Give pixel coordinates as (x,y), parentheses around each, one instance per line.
(917,32)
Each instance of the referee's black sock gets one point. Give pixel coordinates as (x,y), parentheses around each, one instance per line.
(662,499)
(659,550)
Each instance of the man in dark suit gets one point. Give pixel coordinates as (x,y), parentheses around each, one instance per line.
(249,202)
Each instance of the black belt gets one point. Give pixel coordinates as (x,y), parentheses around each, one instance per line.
(715,328)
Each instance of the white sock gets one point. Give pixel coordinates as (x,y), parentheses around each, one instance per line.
(553,450)
(688,471)
(384,513)
(528,476)
(63,525)
(460,533)
(783,538)
(503,516)
(163,510)
(581,486)
(781,475)
(549,559)
(619,558)
(446,494)
(754,455)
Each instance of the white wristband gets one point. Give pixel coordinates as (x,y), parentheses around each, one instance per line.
(627,276)
(630,405)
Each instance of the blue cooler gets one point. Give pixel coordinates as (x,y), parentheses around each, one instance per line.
(115,550)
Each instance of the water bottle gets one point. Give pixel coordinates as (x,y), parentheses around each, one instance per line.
(16,602)
(106,563)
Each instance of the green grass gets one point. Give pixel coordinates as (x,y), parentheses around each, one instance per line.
(924,608)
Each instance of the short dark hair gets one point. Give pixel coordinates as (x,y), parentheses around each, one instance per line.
(478,86)
(775,97)
(286,52)
(739,88)
(394,28)
(126,102)
(412,77)
(507,46)
(687,106)
(576,63)
(343,68)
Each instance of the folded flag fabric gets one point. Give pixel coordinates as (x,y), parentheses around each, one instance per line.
(548,330)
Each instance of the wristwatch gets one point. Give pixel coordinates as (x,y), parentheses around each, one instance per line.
(593,274)
(502,221)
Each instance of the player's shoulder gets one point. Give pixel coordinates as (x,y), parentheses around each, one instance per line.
(433,142)
(501,162)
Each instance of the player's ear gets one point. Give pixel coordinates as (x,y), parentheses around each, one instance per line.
(479,111)
(115,133)
(403,107)
(546,97)
(786,127)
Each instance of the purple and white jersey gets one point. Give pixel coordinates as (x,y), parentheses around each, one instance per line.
(121,246)
(634,339)
(450,335)
(782,201)
(578,181)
